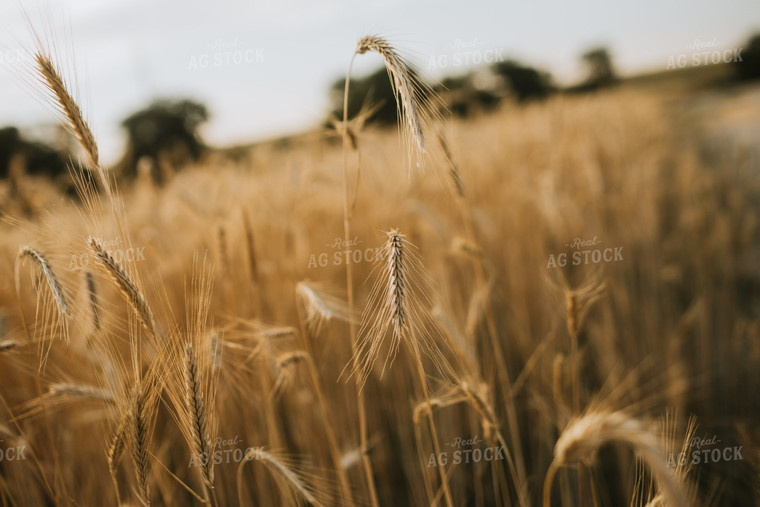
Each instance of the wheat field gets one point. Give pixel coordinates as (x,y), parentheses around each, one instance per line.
(552,304)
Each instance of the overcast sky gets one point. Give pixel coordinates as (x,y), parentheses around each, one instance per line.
(263,67)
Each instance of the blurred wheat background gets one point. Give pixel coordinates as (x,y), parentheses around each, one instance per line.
(179,336)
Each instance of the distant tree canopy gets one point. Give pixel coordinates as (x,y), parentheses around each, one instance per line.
(480,90)
(601,72)
(525,83)
(10,140)
(464,97)
(20,157)
(749,67)
(166,132)
(483,89)
(39,159)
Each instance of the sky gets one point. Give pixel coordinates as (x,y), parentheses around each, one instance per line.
(263,68)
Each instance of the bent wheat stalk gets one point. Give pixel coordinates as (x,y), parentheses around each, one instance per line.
(288,476)
(81,391)
(585,435)
(404,87)
(57,321)
(49,275)
(127,287)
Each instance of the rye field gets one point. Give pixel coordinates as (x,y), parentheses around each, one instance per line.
(550,304)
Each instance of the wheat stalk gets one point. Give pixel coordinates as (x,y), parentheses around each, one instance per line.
(128,288)
(52,280)
(224,258)
(116,447)
(7,345)
(80,391)
(681,471)
(66,105)
(284,473)
(584,436)
(577,304)
(408,91)
(474,394)
(319,307)
(558,386)
(454,175)
(392,299)
(138,437)
(197,415)
(318,311)
(92,296)
(396,307)
(250,247)
(283,364)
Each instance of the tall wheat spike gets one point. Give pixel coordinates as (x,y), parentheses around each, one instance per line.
(139,421)
(197,415)
(69,110)
(397,308)
(66,105)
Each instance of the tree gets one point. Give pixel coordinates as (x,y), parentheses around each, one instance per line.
(525,83)
(167,133)
(9,144)
(600,69)
(749,66)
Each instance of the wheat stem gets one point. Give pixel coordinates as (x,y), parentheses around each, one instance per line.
(366,461)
